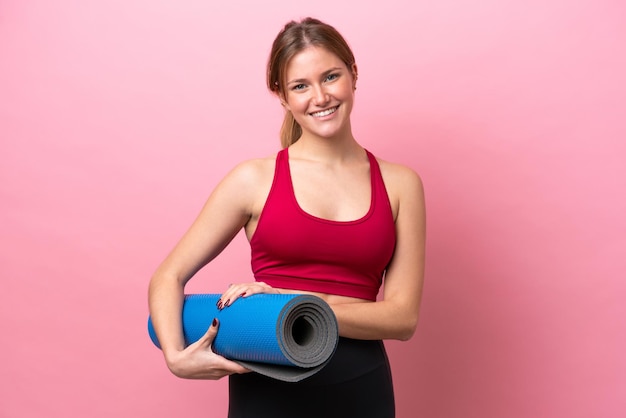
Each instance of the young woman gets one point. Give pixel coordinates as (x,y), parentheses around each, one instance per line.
(323,216)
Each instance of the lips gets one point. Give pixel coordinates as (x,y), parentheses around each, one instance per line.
(326,112)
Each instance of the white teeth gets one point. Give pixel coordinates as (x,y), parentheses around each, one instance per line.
(324,112)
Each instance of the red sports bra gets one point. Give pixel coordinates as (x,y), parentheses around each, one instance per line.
(292,249)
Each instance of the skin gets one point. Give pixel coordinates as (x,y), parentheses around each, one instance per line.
(330,174)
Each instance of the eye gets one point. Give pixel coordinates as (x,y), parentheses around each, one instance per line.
(331,77)
(298,87)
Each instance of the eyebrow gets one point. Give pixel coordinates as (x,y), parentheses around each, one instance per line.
(324,74)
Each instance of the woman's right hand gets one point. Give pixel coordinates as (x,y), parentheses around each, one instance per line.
(198,361)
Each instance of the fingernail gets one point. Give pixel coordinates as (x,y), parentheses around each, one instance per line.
(219,301)
(243,294)
(227,303)
(214,322)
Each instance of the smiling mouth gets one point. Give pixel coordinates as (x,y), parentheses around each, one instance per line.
(325,112)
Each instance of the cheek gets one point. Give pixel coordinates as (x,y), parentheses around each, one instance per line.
(343,90)
(295,103)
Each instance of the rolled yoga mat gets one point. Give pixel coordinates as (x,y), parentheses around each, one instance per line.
(288,337)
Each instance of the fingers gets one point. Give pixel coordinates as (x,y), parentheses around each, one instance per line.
(227,366)
(233,292)
(229,296)
(223,366)
(199,361)
(236,291)
(230,367)
(206,341)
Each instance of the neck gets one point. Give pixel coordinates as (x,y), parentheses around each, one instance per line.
(340,147)
(326,149)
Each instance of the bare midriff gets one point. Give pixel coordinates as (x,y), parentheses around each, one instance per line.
(328,298)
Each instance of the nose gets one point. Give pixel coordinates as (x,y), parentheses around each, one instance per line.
(320,96)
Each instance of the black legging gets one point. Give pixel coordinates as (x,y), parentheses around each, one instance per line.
(355,383)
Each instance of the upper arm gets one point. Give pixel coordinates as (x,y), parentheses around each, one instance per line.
(405,273)
(226,211)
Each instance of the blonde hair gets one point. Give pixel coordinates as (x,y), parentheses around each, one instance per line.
(292,39)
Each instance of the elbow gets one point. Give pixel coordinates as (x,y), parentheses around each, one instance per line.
(407,329)
(164,279)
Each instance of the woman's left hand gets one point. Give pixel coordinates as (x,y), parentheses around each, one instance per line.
(242,290)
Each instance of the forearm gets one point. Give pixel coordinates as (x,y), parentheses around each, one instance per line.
(375,320)
(165,299)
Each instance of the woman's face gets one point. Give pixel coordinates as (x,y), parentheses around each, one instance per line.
(319,92)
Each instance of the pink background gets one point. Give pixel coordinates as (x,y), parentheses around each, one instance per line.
(117,118)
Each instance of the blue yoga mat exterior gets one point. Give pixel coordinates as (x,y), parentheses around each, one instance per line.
(285,336)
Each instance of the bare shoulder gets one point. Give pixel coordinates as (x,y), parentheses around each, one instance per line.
(399,178)
(253,171)
(247,185)
(404,188)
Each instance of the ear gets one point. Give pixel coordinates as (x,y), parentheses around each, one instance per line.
(355,75)
(283,100)
(285,105)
